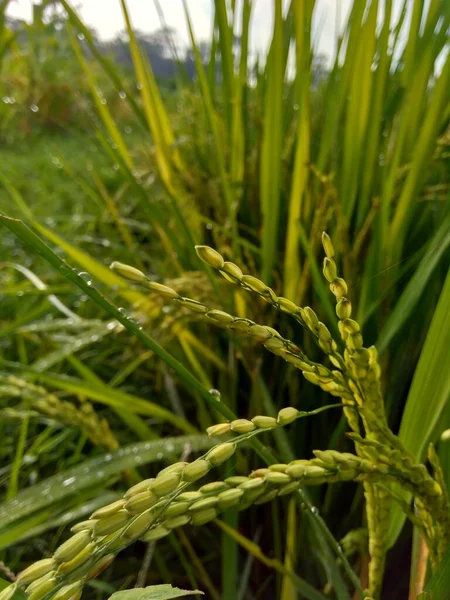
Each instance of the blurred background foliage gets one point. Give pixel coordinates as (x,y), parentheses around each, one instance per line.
(135,150)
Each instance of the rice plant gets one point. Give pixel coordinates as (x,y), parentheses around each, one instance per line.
(255,158)
(152,508)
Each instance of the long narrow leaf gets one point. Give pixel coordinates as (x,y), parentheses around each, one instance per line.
(417,285)
(109,396)
(429,393)
(270,168)
(439,584)
(300,584)
(303,12)
(91,472)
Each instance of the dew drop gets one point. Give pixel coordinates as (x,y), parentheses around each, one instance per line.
(215,393)
(87,278)
(209,226)
(314,510)
(123,312)
(19,293)
(159,456)
(34,108)
(122,95)
(80,36)
(68,481)
(128,129)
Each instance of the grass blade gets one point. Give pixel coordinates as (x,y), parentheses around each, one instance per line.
(107,395)
(429,393)
(20,450)
(226,54)
(439,584)
(92,472)
(31,239)
(410,297)
(423,149)
(303,12)
(213,121)
(270,167)
(300,584)
(288,590)
(132,420)
(237,159)
(101,106)
(113,73)
(157,119)
(56,515)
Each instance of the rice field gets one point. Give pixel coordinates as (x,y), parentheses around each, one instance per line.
(224,321)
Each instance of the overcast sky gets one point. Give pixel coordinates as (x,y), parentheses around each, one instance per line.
(105,16)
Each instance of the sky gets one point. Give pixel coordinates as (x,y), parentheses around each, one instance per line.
(105,16)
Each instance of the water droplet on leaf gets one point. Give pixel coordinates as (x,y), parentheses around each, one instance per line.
(215,393)
(87,278)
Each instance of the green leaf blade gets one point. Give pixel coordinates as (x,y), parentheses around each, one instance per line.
(154,592)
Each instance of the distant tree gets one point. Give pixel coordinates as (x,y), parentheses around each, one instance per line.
(158,46)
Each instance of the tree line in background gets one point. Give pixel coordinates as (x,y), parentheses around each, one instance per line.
(43,85)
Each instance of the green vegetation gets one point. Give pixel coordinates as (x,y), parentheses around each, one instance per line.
(105,384)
